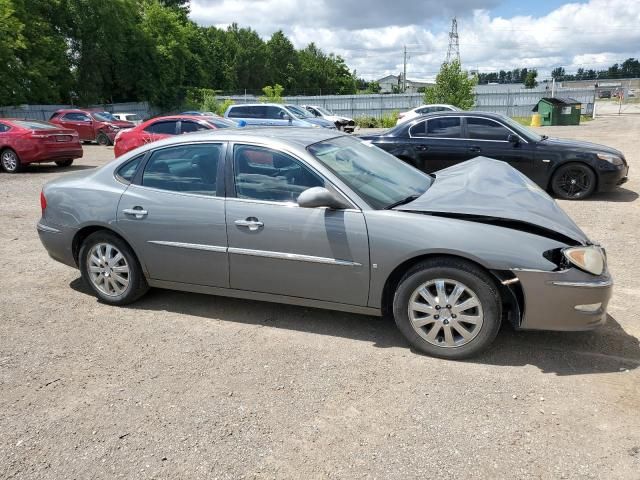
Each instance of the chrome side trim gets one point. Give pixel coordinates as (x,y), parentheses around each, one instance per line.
(596,284)
(46,228)
(293,256)
(192,246)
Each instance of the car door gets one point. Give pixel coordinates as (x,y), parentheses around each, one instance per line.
(277,247)
(490,138)
(437,143)
(79,122)
(278,117)
(159,130)
(173,214)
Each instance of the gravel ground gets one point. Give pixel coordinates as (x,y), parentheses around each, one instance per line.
(192,386)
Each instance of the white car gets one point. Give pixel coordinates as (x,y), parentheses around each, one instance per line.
(342,123)
(128,117)
(423,110)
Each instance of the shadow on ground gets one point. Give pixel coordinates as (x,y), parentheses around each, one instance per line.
(608,349)
(620,194)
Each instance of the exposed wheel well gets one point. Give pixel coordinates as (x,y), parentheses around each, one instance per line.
(511,296)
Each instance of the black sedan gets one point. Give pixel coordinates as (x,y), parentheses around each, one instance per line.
(569,168)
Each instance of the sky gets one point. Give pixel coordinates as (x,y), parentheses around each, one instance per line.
(493,34)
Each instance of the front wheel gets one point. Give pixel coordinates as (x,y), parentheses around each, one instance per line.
(448,308)
(103,140)
(10,161)
(573,181)
(64,163)
(111,269)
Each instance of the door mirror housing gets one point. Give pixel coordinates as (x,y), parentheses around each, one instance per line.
(513,139)
(287,117)
(315,197)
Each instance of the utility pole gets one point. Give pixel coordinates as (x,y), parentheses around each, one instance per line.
(453,52)
(404,74)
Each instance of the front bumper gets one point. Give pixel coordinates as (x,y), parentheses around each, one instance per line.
(567,300)
(613,177)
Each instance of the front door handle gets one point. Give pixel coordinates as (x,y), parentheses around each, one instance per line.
(474,149)
(138,212)
(422,148)
(252,223)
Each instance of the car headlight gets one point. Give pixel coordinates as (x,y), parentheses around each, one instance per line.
(590,259)
(608,157)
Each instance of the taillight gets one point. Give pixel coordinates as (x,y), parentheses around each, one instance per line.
(43,202)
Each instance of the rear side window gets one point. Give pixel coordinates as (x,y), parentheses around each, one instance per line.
(485,129)
(4,128)
(247,111)
(127,171)
(184,168)
(165,127)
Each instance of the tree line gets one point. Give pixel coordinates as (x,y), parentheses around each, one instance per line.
(104,51)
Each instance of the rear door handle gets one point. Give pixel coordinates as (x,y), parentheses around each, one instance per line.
(138,212)
(474,149)
(251,223)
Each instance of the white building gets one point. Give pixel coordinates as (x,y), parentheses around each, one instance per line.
(393,83)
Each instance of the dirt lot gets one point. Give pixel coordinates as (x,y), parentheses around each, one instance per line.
(192,386)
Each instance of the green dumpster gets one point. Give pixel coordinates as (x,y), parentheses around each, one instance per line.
(559,111)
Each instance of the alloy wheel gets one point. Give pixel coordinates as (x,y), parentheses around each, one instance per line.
(10,161)
(445,313)
(574,182)
(108,269)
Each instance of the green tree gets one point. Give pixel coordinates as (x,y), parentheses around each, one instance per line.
(11,43)
(272,94)
(453,87)
(530,80)
(282,61)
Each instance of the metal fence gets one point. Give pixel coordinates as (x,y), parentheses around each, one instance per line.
(513,103)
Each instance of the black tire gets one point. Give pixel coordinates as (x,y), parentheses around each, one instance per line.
(137,283)
(103,140)
(10,161)
(478,283)
(573,181)
(64,163)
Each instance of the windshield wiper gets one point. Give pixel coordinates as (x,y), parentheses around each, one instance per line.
(404,201)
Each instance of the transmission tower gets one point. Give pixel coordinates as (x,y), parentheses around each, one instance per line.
(453,53)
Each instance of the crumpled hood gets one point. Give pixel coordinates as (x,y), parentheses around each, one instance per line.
(484,187)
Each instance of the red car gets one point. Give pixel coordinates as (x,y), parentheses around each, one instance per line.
(92,126)
(163,127)
(32,141)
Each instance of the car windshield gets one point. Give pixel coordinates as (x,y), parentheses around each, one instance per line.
(324,111)
(299,112)
(376,176)
(104,117)
(35,125)
(521,129)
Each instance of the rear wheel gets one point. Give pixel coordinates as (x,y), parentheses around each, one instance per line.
(10,161)
(103,140)
(64,163)
(111,269)
(573,181)
(448,308)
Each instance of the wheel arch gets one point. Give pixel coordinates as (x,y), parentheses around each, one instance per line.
(578,161)
(82,234)
(511,295)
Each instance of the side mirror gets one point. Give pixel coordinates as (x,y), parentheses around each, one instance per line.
(513,139)
(286,117)
(315,197)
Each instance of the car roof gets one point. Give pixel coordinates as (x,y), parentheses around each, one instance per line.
(259,105)
(467,113)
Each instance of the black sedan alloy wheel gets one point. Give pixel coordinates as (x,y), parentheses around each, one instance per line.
(573,181)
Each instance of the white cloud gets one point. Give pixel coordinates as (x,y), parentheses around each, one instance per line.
(370,36)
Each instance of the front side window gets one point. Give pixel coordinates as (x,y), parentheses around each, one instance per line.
(485,129)
(376,176)
(444,127)
(76,117)
(189,126)
(165,128)
(269,175)
(4,128)
(184,168)
(274,112)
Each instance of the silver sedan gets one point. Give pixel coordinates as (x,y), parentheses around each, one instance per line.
(317,218)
